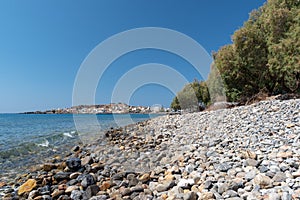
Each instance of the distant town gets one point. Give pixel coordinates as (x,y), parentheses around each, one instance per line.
(115,108)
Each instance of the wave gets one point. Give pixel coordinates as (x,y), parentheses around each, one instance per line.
(68,135)
(44,144)
(38,144)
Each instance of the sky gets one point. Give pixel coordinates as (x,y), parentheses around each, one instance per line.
(43,45)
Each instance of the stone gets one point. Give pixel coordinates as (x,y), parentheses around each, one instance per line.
(118,176)
(274,196)
(286,196)
(263,181)
(296,174)
(62,176)
(74,175)
(29,185)
(144,178)
(48,167)
(235,184)
(71,188)
(207,196)
(86,160)
(190,196)
(92,190)
(137,189)
(229,194)
(250,162)
(132,180)
(46,197)
(44,190)
(76,195)
(165,186)
(185,183)
(2,184)
(250,175)
(248,154)
(33,194)
(274,168)
(208,184)
(223,167)
(99,197)
(87,180)
(105,185)
(222,187)
(169,177)
(279,177)
(73,163)
(76,148)
(284,154)
(124,191)
(290,125)
(56,193)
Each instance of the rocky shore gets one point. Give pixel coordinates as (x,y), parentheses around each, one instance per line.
(247,152)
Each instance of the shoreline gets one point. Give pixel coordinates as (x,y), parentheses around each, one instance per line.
(244,152)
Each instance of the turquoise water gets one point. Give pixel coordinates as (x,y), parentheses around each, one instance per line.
(27,139)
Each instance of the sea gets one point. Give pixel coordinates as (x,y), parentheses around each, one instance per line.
(29,139)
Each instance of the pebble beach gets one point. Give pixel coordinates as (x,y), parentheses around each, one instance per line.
(247,152)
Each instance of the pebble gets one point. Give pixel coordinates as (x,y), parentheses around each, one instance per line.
(246,152)
(29,185)
(73,163)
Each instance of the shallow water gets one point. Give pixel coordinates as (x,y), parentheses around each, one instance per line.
(27,139)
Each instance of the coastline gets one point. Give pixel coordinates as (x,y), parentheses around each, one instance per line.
(247,152)
(113,108)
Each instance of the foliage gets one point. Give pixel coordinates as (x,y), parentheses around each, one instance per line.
(264,54)
(215,84)
(191,96)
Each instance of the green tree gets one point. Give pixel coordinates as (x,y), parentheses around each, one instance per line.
(175,104)
(191,96)
(215,84)
(265,52)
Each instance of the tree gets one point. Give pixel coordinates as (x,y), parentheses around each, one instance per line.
(175,104)
(215,85)
(191,96)
(265,53)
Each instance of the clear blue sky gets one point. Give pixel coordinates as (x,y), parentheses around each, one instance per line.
(43,43)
